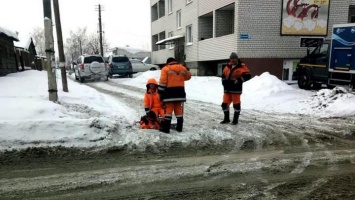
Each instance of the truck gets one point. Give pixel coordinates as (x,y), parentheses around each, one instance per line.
(332,62)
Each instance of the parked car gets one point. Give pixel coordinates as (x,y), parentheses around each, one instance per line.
(119,65)
(90,67)
(139,66)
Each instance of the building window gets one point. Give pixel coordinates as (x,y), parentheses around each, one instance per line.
(188,1)
(170,6)
(189,34)
(155,39)
(161,8)
(178,19)
(205,26)
(352,19)
(162,37)
(154,12)
(171,34)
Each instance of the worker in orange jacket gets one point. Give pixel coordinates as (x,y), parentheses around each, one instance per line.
(172,92)
(235,73)
(152,106)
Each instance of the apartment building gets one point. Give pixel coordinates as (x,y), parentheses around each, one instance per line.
(265,34)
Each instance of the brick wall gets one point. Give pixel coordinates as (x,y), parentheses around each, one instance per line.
(262,22)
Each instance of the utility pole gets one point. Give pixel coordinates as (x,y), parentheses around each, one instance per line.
(100,30)
(58,28)
(49,45)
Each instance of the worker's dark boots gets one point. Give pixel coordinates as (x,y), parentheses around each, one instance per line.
(226,118)
(180,122)
(165,126)
(235,118)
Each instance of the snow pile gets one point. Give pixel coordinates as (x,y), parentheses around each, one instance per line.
(339,99)
(85,117)
(141,79)
(265,85)
(82,117)
(265,93)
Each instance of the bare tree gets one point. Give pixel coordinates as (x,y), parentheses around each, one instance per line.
(76,44)
(94,44)
(38,36)
(79,42)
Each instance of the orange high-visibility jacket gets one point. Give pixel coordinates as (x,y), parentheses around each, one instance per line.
(172,82)
(233,78)
(151,99)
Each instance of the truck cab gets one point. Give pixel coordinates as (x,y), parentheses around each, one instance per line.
(331,62)
(312,70)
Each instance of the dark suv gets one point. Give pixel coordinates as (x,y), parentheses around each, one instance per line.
(119,65)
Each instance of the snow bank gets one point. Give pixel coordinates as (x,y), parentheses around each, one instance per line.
(82,117)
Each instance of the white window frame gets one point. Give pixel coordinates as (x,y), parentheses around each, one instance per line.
(189,38)
(188,1)
(178,19)
(170,6)
(171,34)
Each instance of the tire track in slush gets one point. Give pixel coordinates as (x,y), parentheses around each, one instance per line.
(258,128)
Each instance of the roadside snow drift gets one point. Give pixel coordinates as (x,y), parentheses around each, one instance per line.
(85,117)
(28,118)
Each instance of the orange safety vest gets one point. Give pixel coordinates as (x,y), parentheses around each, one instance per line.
(233,78)
(172,82)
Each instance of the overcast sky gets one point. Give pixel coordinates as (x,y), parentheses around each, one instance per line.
(125,22)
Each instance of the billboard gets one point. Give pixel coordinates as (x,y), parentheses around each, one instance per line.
(305,17)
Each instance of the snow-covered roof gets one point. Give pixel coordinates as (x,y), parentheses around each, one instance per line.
(23,43)
(131,49)
(8,33)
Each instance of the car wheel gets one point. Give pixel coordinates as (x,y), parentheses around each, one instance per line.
(304,80)
(81,79)
(130,75)
(76,77)
(153,69)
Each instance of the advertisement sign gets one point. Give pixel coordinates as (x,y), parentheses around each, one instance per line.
(305,17)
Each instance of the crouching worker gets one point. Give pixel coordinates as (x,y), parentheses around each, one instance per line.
(152,106)
(150,121)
